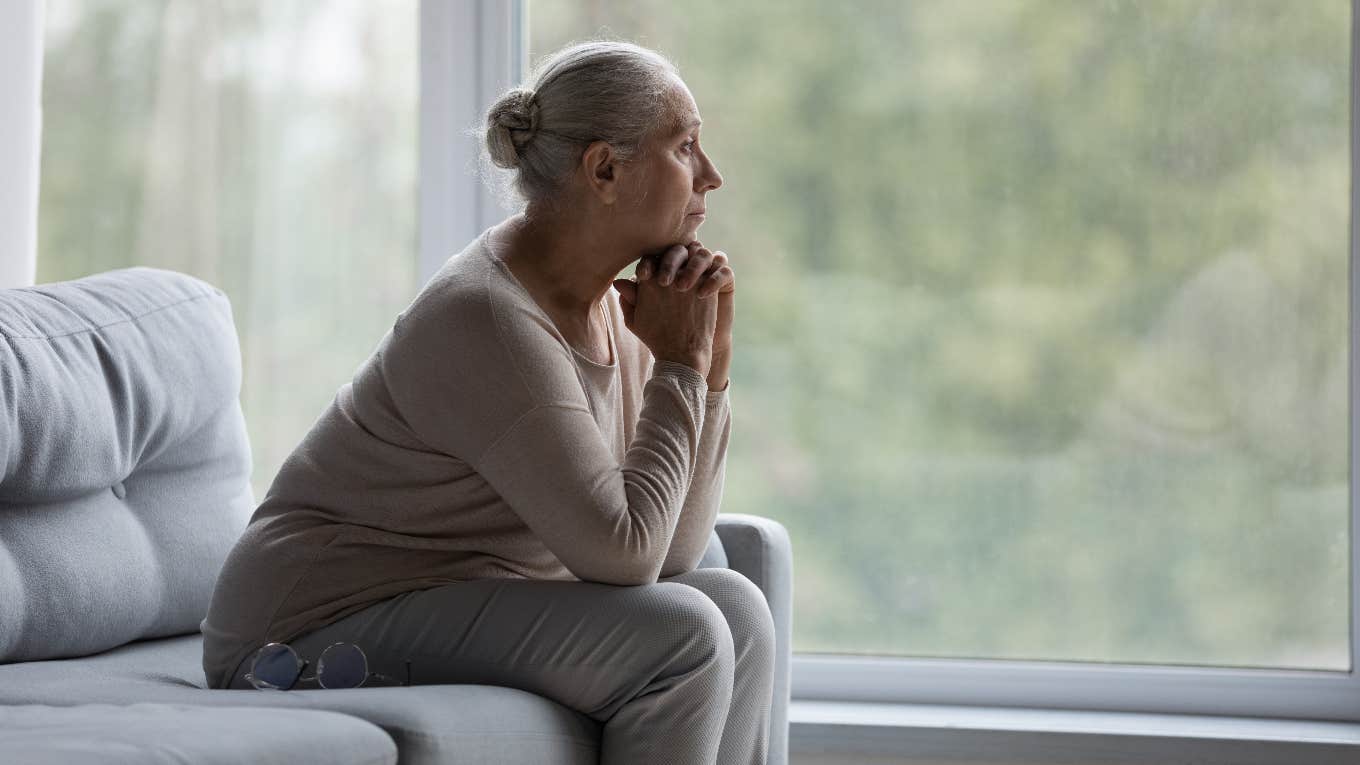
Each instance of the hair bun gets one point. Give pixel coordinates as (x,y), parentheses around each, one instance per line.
(511,125)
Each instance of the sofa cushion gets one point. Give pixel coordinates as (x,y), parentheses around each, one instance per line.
(429,723)
(124,463)
(146,734)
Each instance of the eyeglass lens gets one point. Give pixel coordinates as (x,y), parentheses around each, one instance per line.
(342,665)
(276,666)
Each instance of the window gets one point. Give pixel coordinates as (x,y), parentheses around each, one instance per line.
(269,148)
(1044,330)
(1045,318)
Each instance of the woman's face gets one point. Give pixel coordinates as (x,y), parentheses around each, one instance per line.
(672,176)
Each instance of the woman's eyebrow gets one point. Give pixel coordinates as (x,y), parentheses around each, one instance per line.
(688,126)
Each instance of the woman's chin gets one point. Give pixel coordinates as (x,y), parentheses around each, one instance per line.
(688,228)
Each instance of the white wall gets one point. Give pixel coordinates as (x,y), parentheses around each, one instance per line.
(20,137)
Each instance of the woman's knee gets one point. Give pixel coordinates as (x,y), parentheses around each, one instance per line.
(687,615)
(742,603)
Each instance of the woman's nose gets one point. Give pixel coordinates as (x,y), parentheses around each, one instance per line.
(712,179)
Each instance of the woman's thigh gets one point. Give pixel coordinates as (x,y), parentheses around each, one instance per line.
(586,645)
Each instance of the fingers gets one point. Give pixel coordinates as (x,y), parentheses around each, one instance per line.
(645,268)
(693,270)
(690,266)
(627,289)
(651,265)
(720,278)
(670,262)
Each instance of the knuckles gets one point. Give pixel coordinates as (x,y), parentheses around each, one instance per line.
(682,258)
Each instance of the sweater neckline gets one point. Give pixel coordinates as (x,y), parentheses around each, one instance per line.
(485,247)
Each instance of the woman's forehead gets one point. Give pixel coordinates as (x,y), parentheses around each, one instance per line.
(676,124)
(684,112)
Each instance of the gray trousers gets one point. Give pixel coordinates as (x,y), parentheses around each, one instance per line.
(680,671)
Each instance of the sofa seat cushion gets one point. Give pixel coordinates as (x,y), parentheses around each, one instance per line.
(429,723)
(146,734)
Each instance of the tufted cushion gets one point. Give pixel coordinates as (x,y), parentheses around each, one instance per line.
(124,463)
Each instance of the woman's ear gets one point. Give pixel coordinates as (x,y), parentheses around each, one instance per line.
(600,164)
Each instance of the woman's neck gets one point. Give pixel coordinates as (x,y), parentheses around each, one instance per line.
(567,266)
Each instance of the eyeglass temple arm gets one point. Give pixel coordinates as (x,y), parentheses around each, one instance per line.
(408,674)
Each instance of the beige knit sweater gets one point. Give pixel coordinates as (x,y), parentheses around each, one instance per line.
(475,442)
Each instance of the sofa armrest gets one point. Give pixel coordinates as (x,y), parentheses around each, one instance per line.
(760,549)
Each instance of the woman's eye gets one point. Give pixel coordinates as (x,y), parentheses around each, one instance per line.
(687,146)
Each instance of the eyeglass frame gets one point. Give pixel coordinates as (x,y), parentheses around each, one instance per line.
(302,665)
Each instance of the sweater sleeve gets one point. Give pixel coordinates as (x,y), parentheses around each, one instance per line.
(606,522)
(704,499)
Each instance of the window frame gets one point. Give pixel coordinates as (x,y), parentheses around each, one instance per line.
(21,68)
(490,38)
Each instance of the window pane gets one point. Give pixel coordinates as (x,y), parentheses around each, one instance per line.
(267,147)
(1043,342)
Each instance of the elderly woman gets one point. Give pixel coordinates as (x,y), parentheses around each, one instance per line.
(513,490)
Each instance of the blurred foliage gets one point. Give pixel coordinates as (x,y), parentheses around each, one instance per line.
(268,148)
(1043,324)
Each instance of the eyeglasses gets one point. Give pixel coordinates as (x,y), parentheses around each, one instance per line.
(277,666)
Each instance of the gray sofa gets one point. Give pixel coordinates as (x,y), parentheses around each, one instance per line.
(124,481)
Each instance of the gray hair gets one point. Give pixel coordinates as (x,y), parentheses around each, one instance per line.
(599,90)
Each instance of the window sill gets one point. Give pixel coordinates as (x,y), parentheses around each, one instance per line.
(1006,735)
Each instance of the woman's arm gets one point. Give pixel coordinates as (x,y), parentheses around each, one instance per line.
(491,386)
(717,374)
(704,498)
(607,522)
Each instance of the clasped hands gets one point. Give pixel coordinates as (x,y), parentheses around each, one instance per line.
(684,267)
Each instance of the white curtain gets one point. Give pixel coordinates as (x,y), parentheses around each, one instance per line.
(20,137)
